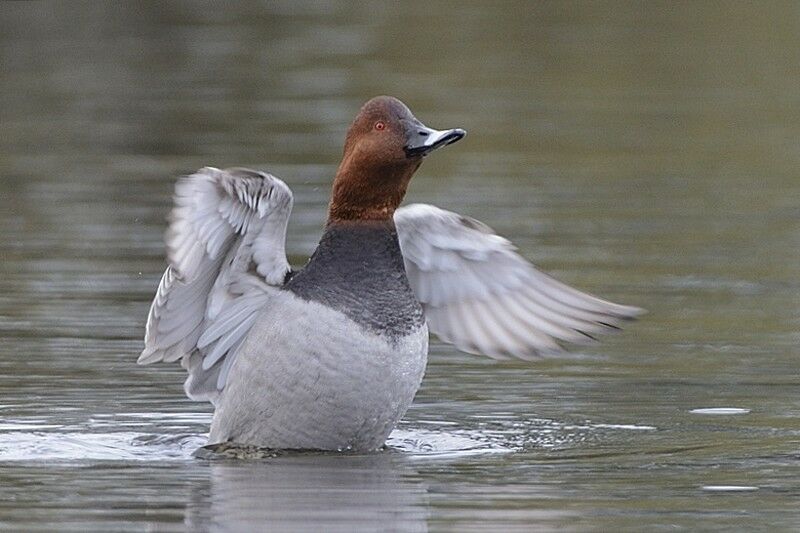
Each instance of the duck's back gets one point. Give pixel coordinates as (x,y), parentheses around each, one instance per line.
(335,360)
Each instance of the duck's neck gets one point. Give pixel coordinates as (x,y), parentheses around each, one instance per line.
(366,193)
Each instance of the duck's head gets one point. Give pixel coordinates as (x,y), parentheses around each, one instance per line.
(384,147)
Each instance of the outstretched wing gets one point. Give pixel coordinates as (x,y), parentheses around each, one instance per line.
(484,298)
(226,255)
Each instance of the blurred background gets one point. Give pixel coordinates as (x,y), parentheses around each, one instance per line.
(648,152)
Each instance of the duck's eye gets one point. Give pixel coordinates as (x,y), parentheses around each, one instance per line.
(380,126)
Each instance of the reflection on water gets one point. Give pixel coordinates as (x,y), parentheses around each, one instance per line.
(645,152)
(320,493)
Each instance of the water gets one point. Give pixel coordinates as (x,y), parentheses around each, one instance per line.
(645,152)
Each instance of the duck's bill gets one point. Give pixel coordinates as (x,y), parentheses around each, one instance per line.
(424,140)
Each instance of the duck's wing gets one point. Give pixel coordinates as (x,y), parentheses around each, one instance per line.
(483,297)
(226,255)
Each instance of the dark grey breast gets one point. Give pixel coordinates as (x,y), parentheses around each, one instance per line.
(358,269)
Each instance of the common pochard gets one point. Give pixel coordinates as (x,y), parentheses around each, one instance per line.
(330,356)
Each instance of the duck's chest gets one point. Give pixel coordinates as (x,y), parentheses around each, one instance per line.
(358,270)
(310,377)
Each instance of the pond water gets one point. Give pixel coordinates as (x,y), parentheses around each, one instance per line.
(646,152)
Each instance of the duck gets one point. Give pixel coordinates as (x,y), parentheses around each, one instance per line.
(331,355)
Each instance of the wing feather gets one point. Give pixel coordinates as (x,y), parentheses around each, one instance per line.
(225,226)
(483,297)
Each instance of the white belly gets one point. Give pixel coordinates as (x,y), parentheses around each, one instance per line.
(308,377)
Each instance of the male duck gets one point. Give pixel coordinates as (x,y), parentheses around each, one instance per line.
(329,357)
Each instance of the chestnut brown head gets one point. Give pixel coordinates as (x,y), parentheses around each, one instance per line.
(384,147)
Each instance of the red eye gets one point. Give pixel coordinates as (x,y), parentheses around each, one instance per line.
(380,126)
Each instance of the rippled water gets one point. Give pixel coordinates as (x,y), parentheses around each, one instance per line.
(645,152)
